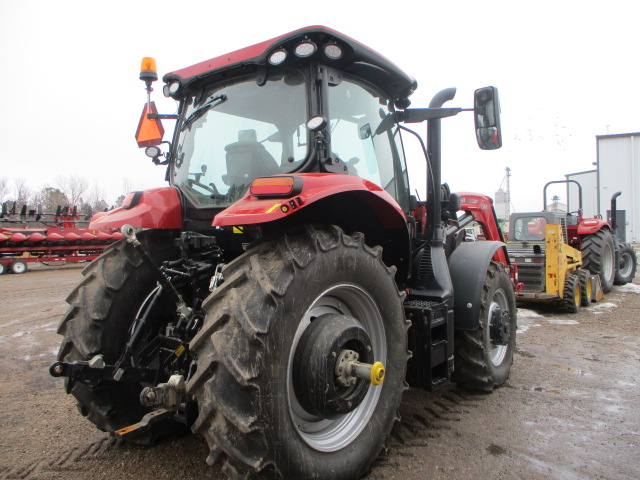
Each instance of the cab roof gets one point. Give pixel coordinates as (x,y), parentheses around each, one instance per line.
(357,59)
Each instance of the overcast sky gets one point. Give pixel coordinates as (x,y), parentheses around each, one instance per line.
(566,72)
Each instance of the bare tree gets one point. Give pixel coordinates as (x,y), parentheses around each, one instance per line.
(96,193)
(21,191)
(50,198)
(127,184)
(4,188)
(119,201)
(73,188)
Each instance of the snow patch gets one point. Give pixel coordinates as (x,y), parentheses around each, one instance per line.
(523,328)
(629,288)
(625,384)
(603,306)
(526,313)
(557,321)
(528,318)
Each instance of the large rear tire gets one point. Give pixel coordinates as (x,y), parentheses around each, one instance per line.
(598,256)
(102,308)
(274,313)
(483,357)
(627,266)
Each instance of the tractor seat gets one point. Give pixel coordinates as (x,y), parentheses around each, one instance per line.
(247,160)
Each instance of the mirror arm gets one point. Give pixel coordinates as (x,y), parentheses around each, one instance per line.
(417,115)
(157,116)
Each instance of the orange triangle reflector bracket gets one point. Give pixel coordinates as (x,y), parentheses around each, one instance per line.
(150,130)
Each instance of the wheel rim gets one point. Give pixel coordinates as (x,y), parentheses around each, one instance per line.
(589,289)
(328,435)
(497,353)
(576,296)
(607,261)
(626,264)
(19,267)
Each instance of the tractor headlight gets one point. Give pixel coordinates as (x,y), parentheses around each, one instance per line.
(316,123)
(152,152)
(333,51)
(277,57)
(305,49)
(171,89)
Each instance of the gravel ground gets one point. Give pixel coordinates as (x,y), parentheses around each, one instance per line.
(569,410)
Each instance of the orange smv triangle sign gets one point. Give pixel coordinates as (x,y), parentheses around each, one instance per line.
(150,131)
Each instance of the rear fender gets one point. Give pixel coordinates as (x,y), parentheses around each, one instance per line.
(468,265)
(156,208)
(592,225)
(352,203)
(251,210)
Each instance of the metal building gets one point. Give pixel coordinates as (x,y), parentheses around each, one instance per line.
(618,170)
(589,182)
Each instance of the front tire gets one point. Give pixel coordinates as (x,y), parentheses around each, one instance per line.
(571,295)
(483,356)
(628,264)
(586,287)
(258,399)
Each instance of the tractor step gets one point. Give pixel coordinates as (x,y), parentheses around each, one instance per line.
(430,341)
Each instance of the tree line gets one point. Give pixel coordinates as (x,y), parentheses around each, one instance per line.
(66,191)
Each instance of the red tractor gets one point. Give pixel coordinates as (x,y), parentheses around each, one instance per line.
(285,289)
(603,253)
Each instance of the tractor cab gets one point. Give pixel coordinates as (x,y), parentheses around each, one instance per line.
(527,245)
(312,101)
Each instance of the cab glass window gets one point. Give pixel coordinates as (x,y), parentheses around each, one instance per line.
(530,228)
(364,136)
(231,134)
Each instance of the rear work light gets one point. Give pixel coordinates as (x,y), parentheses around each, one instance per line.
(277,57)
(305,49)
(332,51)
(276,187)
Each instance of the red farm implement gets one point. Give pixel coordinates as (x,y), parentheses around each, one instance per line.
(61,240)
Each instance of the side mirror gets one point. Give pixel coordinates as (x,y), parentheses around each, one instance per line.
(486,112)
(364,131)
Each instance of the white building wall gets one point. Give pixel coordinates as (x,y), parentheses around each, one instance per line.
(589,183)
(501,205)
(619,171)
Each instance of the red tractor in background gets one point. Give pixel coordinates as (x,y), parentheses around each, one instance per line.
(285,289)
(603,253)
